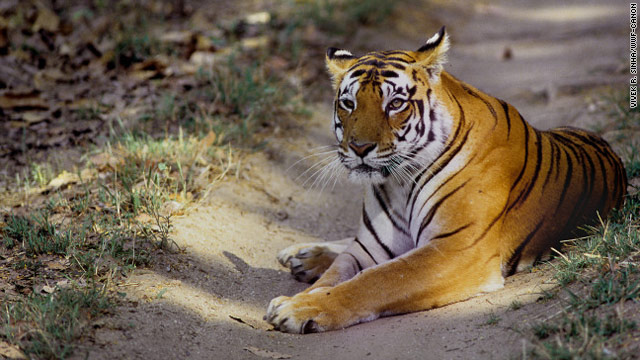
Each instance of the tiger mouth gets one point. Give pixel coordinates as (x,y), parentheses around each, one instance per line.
(369,170)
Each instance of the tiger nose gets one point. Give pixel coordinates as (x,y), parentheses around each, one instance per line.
(362,149)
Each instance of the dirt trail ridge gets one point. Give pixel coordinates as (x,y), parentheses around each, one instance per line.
(207,303)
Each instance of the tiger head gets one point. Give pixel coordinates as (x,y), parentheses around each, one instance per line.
(387,117)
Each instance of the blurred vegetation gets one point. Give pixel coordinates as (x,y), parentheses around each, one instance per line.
(121,115)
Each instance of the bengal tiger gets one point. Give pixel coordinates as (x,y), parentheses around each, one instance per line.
(460,191)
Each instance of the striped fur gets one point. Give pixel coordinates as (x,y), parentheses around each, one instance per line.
(460,191)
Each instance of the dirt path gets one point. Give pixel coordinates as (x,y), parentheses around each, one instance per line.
(208,303)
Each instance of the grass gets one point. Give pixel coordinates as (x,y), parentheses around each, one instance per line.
(342,16)
(112,219)
(515,305)
(598,275)
(101,228)
(36,234)
(64,247)
(235,99)
(492,319)
(46,325)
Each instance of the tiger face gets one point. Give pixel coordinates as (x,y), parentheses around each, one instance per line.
(387,120)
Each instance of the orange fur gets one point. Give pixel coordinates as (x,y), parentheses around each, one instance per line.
(516,193)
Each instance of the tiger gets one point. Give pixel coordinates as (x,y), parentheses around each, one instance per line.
(460,192)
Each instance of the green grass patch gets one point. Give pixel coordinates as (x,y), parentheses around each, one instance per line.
(36,234)
(599,274)
(44,326)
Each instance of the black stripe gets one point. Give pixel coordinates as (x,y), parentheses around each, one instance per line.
(373,62)
(489,106)
(558,158)
(385,197)
(420,104)
(602,147)
(526,157)
(505,107)
(432,211)
(397,52)
(397,66)
(522,197)
(513,262)
(360,268)
(369,226)
(365,250)
(552,161)
(568,175)
(584,197)
(393,58)
(450,154)
(604,194)
(385,208)
(357,73)
(451,233)
(486,230)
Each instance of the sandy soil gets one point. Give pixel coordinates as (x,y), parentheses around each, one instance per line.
(208,302)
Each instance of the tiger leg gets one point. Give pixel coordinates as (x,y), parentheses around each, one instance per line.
(444,275)
(309,261)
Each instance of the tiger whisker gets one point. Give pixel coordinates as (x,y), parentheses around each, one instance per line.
(310,156)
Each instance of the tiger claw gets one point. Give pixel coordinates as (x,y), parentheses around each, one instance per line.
(309,327)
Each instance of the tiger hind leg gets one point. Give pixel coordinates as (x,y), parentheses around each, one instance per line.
(309,261)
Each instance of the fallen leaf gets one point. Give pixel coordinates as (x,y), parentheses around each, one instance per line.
(255,42)
(48,289)
(63,284)
(63,179)
(266,353)
(10,351)
(204,58)
(259,18)
(104,161)
(33,117)
(177,37)
(46,20)
(58,264)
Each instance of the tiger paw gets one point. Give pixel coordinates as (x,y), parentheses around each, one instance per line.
(309,261)
(305,313)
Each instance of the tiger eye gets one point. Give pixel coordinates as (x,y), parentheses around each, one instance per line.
(396,104)
(347,104)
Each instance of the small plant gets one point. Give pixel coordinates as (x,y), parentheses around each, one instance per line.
(515,305)
(543,330)
(493,319)
(36,234)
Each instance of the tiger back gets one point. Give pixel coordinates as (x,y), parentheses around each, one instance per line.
(460,191)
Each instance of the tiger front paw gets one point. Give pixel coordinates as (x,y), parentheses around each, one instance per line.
(307,262)
(306,313)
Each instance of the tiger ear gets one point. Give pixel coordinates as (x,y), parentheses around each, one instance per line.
(338,62)
(433,54)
